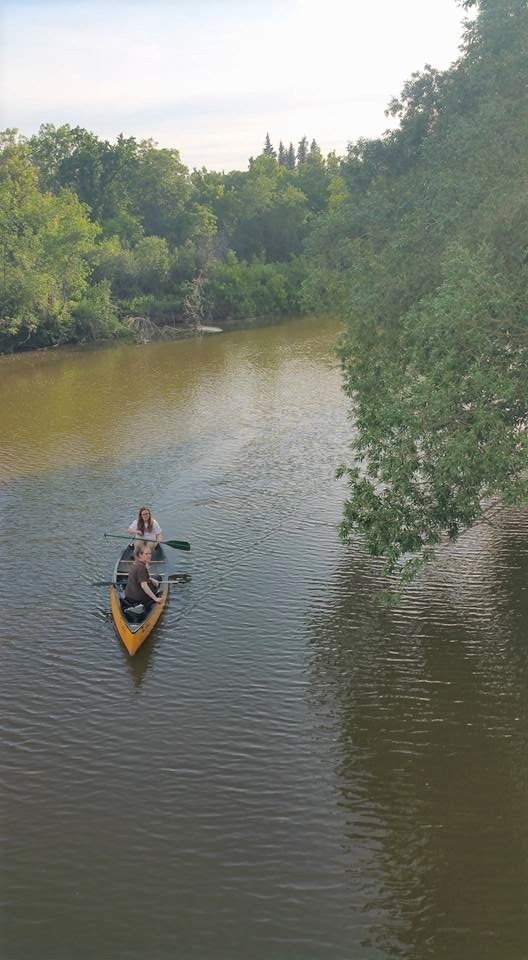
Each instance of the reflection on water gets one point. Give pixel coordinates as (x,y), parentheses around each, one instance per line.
(286,769)
(429,708)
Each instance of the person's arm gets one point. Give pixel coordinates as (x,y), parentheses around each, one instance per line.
(133,527)
(146,589)
(157,531)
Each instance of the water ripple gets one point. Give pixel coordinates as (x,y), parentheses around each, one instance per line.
(286,768)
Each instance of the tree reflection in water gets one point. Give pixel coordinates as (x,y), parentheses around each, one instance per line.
(428,703)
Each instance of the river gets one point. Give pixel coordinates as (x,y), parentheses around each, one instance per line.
(287,770)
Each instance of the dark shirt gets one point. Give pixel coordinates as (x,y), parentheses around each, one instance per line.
(138,575)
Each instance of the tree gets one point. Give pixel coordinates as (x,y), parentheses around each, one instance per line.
(101,174)
(302,150)
(75,158)
(268,150)
(152,261)
(271,213)
(428,263)
(94,316)
(160,192)
(141,229)
(313,178)
(46,244)
(237,289)
(49,150)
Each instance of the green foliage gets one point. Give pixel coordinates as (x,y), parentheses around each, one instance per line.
(94,231)
(313,180)
(271,213)
(441,411)
(238,290)
(426,257)
(142,269)
(152,262)
(163,309)
(302,150)
(45,242)
(162,188)
(268,150)
(129,186)
(94,317)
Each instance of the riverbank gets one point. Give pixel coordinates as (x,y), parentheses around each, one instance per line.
(150,333)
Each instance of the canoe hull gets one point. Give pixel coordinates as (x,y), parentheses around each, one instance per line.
(134,635)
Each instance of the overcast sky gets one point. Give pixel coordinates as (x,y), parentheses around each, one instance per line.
(211,77)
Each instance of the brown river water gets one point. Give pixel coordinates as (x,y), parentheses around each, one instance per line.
(287,770)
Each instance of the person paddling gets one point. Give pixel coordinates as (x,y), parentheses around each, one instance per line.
(140,586)
(146,528)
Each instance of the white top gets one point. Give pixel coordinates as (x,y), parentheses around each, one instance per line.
(149,534)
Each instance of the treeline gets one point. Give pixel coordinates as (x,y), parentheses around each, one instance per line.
(418,239)
(427,262)
(93,233)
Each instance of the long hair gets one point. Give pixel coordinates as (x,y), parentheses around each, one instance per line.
(140,522)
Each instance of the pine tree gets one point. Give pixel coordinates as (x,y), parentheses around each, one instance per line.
(302,150)
(268,150)
(282,155)
(290,157)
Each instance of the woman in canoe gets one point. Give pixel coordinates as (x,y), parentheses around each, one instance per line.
(146,528)
(140,586)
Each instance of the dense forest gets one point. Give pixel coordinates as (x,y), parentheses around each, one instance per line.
(94,233)
(418,240)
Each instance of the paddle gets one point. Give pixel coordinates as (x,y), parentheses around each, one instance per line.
(173,578)
(175,544)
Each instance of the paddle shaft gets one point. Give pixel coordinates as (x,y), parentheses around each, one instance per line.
(178,578)
(175,544)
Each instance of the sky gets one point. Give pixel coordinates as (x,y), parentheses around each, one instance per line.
(212,77)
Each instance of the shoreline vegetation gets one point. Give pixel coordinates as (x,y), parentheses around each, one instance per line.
(105,240)
(417,240)
(140,331)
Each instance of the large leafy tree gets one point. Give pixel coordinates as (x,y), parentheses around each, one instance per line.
(313,178)
(428,261)
(161,189)
(98,172)
(270,213)
(130,186)
(46,243)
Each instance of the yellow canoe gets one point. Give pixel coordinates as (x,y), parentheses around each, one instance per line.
(133,634)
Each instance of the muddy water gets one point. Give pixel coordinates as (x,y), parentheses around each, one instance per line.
(286,770)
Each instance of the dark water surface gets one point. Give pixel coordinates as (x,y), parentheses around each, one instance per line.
(286,770)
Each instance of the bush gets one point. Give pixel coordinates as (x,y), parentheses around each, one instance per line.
(95,316)
(239,290)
